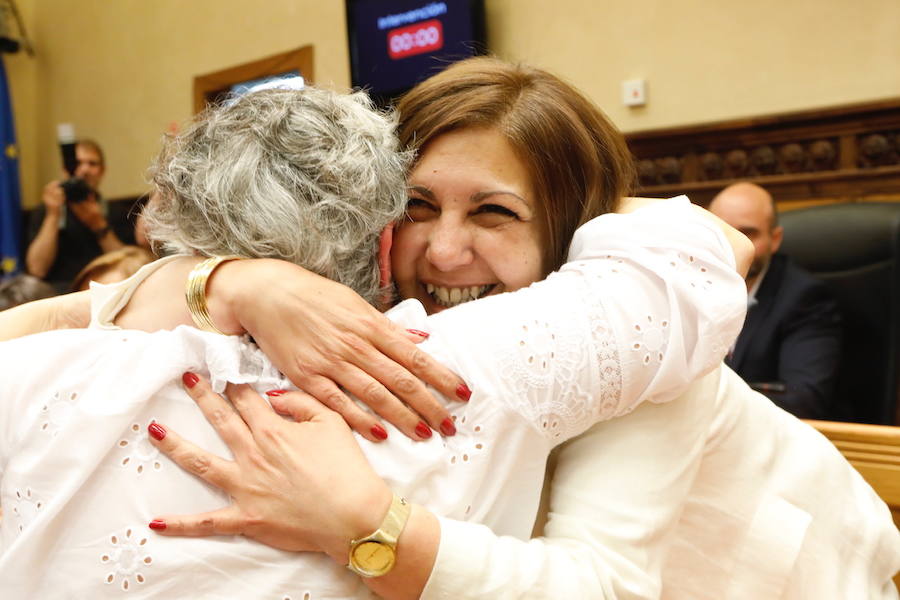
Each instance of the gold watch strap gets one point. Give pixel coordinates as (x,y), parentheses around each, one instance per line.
(394,520)
(195,291)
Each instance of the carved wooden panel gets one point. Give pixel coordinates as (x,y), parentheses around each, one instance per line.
(842,154)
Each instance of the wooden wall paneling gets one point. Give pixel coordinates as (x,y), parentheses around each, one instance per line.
(844,154)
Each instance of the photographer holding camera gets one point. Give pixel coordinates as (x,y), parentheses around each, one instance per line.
(74,229)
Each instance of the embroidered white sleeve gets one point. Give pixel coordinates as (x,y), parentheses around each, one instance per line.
(649,302)
(563,368)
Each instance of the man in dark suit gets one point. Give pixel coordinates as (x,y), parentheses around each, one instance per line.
(789,348)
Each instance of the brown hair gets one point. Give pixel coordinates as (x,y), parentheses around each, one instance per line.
(580,163)
(127,260)
(95,147)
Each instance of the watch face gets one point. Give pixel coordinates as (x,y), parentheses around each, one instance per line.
(373,557)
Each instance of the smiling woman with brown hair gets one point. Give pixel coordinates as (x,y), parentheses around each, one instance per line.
(576,160)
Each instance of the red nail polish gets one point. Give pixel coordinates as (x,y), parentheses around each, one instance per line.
(447,427)
(157,431)
(379,432)
(190,379)
(423,430)
(420,333)
(463,392)
(157,524)
(276,392)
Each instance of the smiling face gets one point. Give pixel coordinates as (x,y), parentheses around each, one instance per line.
(473,225)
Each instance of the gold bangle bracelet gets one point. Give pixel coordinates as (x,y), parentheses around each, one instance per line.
(195,292)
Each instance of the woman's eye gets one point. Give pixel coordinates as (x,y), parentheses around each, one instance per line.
(496,209)
(419,210)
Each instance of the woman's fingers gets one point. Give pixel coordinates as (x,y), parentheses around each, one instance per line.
(300,406)
(423,366)
(416,336)
(297,405)
(390,387)
(325,391)
(225,521)
(415,425)
(313,328)
(218,411)
(210,468)
(250,406)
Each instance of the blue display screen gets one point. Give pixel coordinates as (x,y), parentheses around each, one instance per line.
(394,44)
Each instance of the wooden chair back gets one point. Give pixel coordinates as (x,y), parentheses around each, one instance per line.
(874,450)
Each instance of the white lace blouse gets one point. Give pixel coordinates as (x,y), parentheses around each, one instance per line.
(647,303)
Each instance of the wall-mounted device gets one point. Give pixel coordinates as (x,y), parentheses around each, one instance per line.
(395,44)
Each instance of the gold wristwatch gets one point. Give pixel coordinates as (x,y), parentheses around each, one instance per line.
(375,554)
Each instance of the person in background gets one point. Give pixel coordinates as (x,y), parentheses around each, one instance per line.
(790,345)
(72,230)
(113,266)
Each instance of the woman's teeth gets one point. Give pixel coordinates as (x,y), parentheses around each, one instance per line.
(452,296)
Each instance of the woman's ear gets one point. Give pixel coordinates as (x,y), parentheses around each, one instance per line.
(384,255)
(384,267)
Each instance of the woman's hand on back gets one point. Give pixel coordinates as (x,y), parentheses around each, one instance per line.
(326,339)
(281,497)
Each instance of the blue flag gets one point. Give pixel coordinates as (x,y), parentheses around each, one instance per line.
(10,204)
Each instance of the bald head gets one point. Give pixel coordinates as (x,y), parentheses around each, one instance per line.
(751,210)
(745,201)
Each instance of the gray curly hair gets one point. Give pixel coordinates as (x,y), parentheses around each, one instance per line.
(309,176)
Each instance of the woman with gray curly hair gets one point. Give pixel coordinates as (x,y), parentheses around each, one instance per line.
(310,177)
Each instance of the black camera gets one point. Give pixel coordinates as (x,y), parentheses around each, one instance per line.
(76,189)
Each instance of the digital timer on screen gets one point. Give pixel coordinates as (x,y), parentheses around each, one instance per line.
(394,44)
